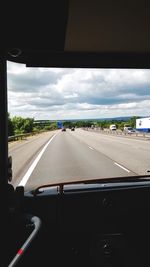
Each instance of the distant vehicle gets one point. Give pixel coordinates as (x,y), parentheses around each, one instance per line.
(129,130)
(112,127)
(143,124)
(72,129)
(63,129)
(126,126)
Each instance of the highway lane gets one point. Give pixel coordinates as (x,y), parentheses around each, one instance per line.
(78,155)
(69,158)
(134,154)
(24,152)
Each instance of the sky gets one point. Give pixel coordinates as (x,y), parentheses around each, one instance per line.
(62,93)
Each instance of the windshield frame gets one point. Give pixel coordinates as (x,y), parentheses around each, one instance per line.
(88,179)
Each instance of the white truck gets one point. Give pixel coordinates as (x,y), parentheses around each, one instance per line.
(143,124)
(126,126)
(112,127)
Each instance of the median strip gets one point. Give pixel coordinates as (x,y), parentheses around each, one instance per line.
(121,167)
(32,167)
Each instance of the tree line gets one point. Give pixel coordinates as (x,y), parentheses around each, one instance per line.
(101,123)
(20,125)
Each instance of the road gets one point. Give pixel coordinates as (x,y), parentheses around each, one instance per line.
(77,155)
(24,152)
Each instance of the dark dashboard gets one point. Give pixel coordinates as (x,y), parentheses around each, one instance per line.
(92,225)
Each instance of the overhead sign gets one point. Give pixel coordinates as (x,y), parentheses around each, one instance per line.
(59,124)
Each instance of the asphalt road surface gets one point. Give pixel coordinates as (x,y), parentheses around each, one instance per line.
(77,155)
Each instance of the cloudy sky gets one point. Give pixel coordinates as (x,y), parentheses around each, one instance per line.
(55,93)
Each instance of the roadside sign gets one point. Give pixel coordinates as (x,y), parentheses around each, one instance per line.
(59,124)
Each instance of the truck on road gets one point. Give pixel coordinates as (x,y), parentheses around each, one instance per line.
(143,124)
(126,126)
(112,127)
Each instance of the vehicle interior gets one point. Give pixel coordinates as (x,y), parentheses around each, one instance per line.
(99,222)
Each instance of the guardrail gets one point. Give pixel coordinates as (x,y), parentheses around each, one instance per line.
(118,132)
(22,136)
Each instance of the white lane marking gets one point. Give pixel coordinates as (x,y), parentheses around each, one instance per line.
(91,147)
(32,167)
(121,167)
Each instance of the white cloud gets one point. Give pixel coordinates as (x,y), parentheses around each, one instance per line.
(59,93)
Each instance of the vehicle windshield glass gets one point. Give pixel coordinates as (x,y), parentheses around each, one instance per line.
(68,124)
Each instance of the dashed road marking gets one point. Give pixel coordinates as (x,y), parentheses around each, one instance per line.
(91,148)
(121,167)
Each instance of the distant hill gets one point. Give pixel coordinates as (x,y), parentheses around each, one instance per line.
(116,119)
(92,119)
(101,119)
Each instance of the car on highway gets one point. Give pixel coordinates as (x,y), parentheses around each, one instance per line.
(129,130)
(75,199)
(63,129)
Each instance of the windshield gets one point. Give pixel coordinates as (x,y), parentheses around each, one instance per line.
(59,124)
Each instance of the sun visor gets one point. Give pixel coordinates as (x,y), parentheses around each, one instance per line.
(108,26)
